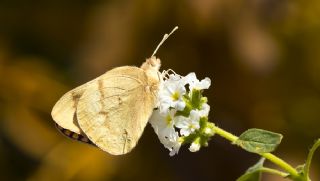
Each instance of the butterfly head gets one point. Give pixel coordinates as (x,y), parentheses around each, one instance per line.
(151,67)
(151,64)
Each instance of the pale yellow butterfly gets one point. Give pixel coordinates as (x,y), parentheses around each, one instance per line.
(112,110)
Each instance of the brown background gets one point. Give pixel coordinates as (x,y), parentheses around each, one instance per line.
(261,55)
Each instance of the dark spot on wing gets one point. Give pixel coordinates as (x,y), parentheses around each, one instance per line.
(75,99)
(100,88)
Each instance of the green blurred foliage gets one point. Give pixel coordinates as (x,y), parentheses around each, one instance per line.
(263,58)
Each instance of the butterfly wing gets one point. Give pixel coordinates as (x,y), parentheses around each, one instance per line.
(115,110)
(64,111)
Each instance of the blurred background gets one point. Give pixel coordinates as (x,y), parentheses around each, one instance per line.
(262,57)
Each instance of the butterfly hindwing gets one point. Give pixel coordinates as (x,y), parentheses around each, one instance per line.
(115,109)
(64,111)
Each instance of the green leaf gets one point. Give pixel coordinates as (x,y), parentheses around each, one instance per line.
(253,173)
(196,96)
(259,141)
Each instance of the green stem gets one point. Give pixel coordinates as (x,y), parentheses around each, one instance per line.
(273,171)
(276,160)
(310,155)
(281,163)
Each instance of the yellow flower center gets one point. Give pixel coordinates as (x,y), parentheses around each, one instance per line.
(175,96)
(168,119)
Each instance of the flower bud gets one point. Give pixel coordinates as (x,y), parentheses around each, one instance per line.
(195,145)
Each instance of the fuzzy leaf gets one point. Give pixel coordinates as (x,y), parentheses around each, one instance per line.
(259,141)
(253,173)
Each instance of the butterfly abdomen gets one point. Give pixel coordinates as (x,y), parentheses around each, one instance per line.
(73,135)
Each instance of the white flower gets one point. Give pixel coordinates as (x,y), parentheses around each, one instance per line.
(163,126)
(204,111)
(171,93)
(189,124)
(163,123)
(195,146)
(172,129)
(172,143)
(194,83)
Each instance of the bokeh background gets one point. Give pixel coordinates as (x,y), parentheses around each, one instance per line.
(262,57)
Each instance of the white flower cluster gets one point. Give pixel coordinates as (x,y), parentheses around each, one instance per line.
(182,114)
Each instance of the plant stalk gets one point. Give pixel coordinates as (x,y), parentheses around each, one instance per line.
(276,160)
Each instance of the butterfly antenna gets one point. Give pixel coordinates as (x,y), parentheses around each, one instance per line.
(165,37)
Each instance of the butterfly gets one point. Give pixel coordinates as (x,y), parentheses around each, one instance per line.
(112,110)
